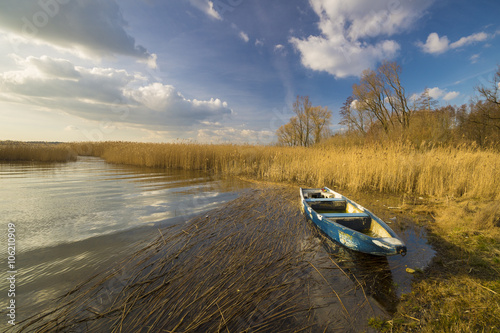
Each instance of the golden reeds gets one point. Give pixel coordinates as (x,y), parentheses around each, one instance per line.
(40,152)
(397,168)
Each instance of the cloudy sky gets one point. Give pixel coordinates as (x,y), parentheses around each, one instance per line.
(223,70)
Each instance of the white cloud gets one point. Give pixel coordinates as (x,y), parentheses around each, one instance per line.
(479,37)
(151,61)
(207,7)
(104,93)
(438,93)
(451,95)
(234,135)
(346,45)
(259,42)
(244,36)
(474,58)
(280,49)
(70,128)
(435,92)
(437,45)
(91,28)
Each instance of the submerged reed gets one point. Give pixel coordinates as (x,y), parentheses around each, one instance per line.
(250,266)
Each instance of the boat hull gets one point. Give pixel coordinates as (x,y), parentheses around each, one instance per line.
(355,240)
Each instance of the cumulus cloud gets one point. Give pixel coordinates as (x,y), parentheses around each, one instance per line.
(89,28)
(353,32)
(435,92)
(435,44)
(451,95)
(438,45)
(479,37)
(438,93)
(167,100)
(104,93)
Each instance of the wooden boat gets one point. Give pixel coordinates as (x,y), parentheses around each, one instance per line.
(350,224)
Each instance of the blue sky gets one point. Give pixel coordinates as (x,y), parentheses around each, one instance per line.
(223,70)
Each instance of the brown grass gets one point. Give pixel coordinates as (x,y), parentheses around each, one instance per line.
(460,291)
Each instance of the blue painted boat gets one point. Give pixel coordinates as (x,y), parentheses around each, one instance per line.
(349,223)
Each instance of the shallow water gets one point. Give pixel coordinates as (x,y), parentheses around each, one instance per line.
(51,204)
(73,220)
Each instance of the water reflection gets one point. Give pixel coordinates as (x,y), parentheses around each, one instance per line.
(76,219)
(383,278)
(64,203)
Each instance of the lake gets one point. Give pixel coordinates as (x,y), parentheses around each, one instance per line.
(73,220)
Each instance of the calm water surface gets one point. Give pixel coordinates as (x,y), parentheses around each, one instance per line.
(74,219)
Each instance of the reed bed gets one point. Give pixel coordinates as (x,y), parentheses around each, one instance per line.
(39,152)
(397,168)
(252,265)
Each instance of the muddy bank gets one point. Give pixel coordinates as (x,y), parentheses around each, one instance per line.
(254,264)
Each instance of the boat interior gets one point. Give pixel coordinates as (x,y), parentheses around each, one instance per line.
(334,207)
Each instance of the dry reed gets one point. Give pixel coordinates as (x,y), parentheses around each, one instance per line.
(249,266)
(398,168)
(40,152)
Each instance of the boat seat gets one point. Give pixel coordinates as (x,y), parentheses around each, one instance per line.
(328,204)
(324,199)
(355,221)
(344,215)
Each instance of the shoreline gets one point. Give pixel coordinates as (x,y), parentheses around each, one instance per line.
(463,226)
(232,263)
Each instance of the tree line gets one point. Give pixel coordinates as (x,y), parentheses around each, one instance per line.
(380,109)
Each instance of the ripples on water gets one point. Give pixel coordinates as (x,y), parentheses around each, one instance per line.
(73,219)
(64,203)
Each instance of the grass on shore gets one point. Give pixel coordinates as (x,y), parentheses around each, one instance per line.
(396,168)
(460,290)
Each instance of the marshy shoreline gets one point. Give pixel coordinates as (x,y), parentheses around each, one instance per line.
(451,191)
(252,265)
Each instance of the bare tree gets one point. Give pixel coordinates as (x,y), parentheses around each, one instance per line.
(381,93)
(309,125)
(320,120)
(356,119)
(492,94)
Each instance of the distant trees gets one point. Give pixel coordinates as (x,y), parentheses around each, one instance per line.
(309,125)
(379,107)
